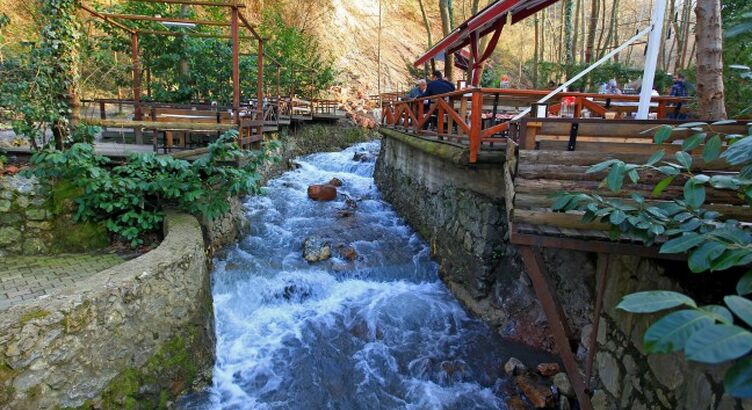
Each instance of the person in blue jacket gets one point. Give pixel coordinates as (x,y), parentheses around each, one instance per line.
(438,85)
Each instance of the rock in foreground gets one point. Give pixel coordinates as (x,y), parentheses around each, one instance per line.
(316,249)
(322,192)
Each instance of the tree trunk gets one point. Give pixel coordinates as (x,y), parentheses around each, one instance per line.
(536,51)
(593,26)
(568,46)
(708,34)
(446,27)
(428,32)
(576,30)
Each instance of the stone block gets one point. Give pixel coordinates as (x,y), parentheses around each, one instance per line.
(22,202)
(4,205)
(34,246)
(9,236)
(36,214)
(39,225)
(609,372)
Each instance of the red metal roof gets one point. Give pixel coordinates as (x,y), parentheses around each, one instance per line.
(486,21)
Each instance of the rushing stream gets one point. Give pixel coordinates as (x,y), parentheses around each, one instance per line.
(379,332)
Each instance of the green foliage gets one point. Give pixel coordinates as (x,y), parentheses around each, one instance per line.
(131,198)
(707,334)
(39,89)
(737,54)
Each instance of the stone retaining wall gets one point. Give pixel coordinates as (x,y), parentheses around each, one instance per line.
(35,221)
(133,333)
(459,210)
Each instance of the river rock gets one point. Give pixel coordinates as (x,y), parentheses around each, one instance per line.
(335,182)
(349,253)
(351,203)
(561,381)
(345,213)
(361,157)
(322,192)
(514,367)
(548,369)
(316,249)
(564,403)
(516,403)
(540,396)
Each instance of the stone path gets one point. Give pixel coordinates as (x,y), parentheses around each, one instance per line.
(27,277)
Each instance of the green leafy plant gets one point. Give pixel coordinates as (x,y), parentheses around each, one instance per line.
(708,334)
(131,198)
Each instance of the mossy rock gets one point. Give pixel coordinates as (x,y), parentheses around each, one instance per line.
(71,236)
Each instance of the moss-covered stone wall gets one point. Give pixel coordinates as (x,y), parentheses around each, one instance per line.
(38,221)
(138,333)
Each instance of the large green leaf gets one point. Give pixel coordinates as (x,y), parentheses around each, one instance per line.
(718,343)
(700,258)
(694,193)
(682,243)
(671,332)
(601,166)
(744,287)
(615,178)
(663,134)
(741,306)
(738,379)
(712,149)
(657,156)
(684,159)
(719,313)
(739,152)
(694,141)
(654,301)
(661,186)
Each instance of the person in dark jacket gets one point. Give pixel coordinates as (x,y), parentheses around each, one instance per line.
(438,85)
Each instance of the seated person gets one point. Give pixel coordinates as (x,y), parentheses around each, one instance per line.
(438,86)
(418,90)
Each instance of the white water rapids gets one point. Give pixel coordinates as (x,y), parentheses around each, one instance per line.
(380,332)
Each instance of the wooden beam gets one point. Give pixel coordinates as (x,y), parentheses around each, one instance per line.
(106,19)
(260,79)
(139,17)
(196,3)
(249,27)
(188,33)
(159,125)
(556,320)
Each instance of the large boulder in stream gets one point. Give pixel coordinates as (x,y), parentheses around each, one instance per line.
(316,249)
(324,192)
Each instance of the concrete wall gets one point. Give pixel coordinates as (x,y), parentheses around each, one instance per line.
(459,210)
(124,335)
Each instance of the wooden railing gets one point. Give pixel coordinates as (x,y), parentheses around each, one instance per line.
(452,117)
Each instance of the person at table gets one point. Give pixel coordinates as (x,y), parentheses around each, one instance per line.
(504,82)
(679,88)
(438,85)
(611,87)
(418,90)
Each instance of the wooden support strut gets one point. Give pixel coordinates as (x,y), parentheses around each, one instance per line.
(556,320)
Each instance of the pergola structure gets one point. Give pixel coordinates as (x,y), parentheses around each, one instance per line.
(236,20)
(490,20)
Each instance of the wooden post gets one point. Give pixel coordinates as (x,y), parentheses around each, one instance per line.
(235,63)
(102,111)
(556,320)
(421,109)
(137,114)
(476,123)
(260,86)
(137,111)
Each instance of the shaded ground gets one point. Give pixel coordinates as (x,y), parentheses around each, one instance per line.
(28,277)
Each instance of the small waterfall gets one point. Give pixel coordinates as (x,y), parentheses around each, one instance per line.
(377,332)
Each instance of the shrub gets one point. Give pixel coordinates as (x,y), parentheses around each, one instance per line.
(131,198)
